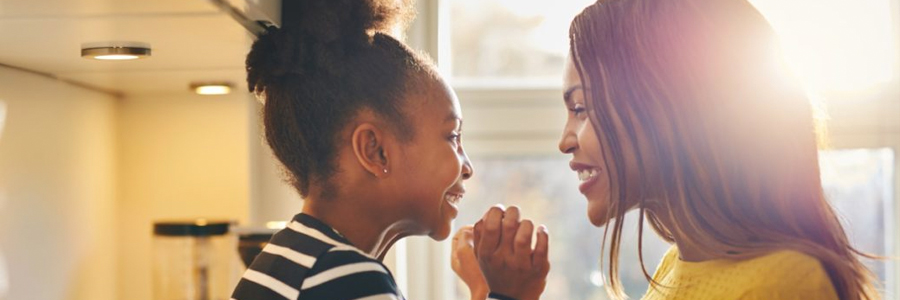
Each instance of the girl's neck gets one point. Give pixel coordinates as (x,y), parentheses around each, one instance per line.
(362,228)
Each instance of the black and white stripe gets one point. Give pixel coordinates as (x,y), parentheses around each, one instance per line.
(496,296)
(309,260)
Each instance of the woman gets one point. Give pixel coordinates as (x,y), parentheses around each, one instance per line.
(682,110)
(368,133)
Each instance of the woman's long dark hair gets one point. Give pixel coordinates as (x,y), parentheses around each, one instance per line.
(698,88)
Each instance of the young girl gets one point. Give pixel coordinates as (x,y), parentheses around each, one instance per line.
(683,110)
(370,136)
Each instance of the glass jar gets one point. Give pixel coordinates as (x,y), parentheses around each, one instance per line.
(194,260)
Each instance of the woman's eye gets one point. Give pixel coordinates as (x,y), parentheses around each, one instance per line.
(577,110)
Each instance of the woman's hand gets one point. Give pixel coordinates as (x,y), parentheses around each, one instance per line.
(465,264)
(503,249)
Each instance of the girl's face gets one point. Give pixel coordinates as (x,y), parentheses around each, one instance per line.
(580,140)
(434,164)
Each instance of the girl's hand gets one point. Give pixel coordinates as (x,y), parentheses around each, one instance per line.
(503,248)
(465,264)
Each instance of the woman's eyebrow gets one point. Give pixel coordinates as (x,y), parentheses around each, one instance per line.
(567,96)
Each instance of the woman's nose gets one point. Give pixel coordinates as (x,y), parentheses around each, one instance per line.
(568,143)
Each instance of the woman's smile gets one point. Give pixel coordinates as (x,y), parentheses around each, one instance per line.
(588,175)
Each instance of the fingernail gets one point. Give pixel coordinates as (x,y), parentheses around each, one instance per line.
(543,228)
(501,206)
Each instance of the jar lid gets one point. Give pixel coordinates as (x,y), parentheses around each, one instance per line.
(199,227)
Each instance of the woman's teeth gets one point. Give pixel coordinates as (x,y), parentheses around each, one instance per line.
(585,175)
(453,198)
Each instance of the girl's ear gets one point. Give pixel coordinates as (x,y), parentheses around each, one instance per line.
(368,147)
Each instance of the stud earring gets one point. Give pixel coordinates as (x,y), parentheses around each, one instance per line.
(385,171)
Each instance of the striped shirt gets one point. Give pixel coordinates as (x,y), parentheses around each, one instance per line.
(496,296)
(310,260)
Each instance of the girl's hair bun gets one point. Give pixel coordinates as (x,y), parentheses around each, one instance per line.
(264,62)
(316,35)
(346,20)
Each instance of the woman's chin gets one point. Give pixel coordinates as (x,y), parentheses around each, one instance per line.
(598,214)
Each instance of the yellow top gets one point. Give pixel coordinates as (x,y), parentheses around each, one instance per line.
(780,275)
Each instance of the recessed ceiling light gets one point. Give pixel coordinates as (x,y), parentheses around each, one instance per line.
(211,88)
(115,50)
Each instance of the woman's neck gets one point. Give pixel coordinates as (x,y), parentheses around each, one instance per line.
(690,252)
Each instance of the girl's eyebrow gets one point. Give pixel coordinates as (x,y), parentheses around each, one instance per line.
(453,118)
(567,96)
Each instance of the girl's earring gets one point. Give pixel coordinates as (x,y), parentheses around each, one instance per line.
(385,171)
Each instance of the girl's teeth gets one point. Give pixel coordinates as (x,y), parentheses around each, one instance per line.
(453,198)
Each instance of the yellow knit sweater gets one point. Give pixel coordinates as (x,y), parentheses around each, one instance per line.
(780,275)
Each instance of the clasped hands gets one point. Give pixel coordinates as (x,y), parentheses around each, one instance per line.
(496,255)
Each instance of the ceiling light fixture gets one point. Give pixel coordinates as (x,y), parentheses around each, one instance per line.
(115,50)
(211,88)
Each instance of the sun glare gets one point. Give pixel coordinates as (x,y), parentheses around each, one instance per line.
(835,45)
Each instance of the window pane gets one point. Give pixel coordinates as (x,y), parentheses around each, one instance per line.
(510,40)
(857,182)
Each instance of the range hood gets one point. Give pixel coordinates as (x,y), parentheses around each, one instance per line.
(254,15)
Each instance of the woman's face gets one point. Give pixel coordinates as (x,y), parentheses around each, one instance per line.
(580,140)
(434,162)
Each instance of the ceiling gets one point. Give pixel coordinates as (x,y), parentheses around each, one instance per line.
(191,41)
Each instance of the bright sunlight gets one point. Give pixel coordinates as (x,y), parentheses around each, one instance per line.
(835,45)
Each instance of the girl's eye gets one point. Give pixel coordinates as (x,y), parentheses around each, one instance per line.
(456,137)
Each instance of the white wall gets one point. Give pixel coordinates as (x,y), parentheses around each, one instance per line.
(57,190)
(84,175)
(180,156)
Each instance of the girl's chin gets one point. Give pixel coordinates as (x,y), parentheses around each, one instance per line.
(440,234)
(442,230)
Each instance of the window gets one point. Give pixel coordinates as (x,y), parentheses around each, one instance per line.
(858,183)
(510,42)
(505,58)
(835,45)
(547,192)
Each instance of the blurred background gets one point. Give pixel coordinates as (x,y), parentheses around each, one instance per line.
(93,152)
